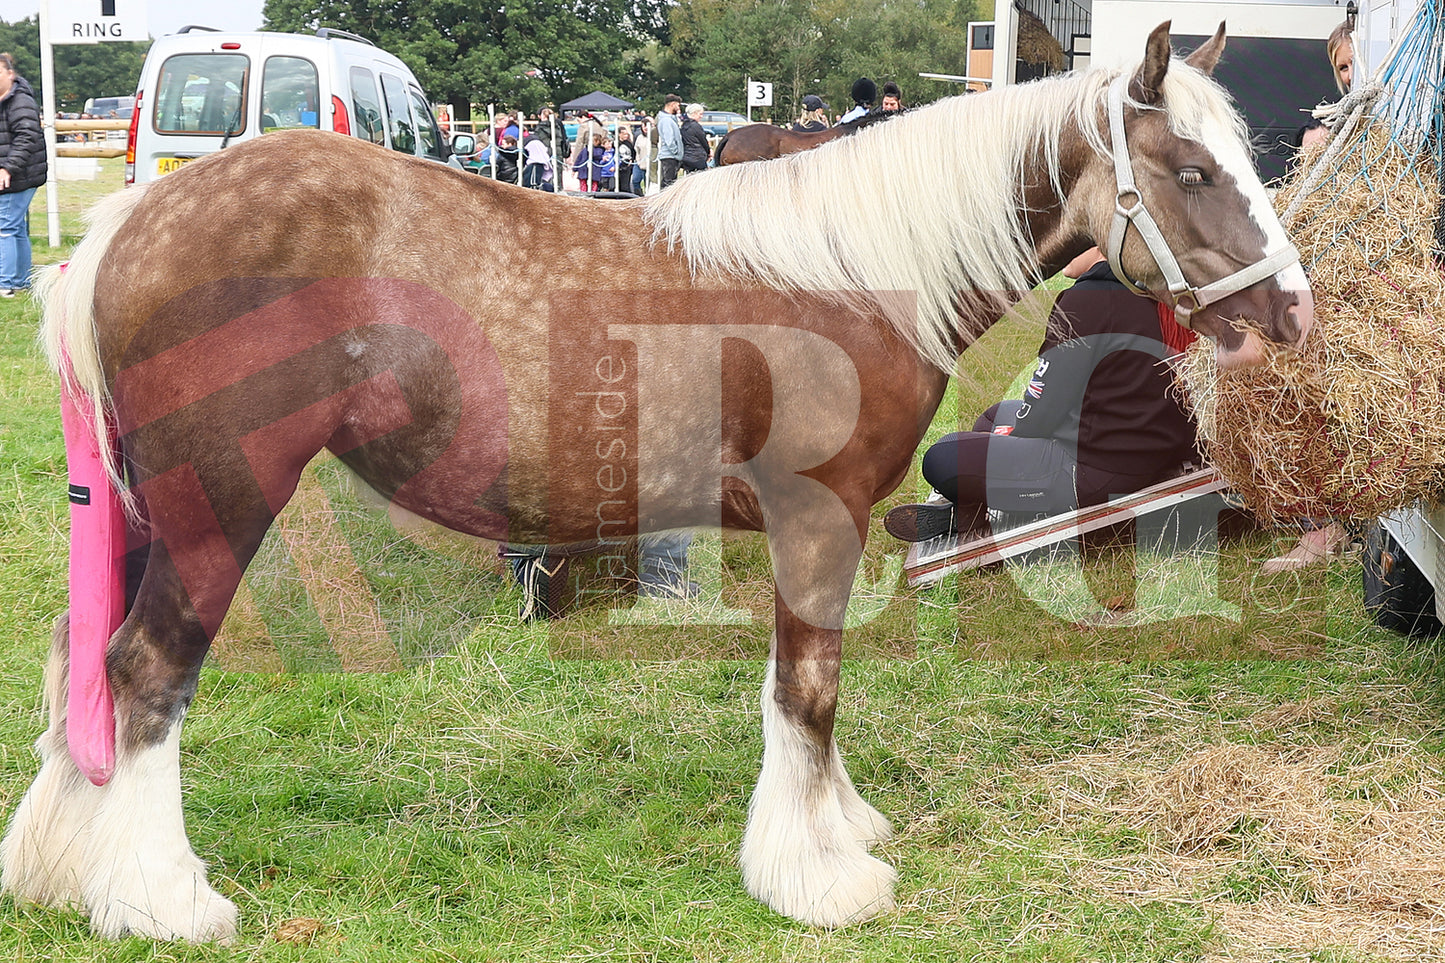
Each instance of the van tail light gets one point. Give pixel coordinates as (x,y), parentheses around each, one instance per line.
(130,141)
(339,121)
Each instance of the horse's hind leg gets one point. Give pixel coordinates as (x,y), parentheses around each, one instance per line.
(805,850)
(41,856)
(120,849)
(140,874)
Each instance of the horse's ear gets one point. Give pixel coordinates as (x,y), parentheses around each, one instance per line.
(1147,87)
(1209,52)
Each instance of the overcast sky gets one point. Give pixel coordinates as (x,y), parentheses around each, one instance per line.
(168,16)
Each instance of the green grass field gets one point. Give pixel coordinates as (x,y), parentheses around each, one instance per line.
(1157,756)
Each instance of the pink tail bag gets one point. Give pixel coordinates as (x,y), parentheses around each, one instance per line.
(97,587)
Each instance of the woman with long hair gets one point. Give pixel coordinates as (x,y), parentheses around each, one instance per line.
(1340,48)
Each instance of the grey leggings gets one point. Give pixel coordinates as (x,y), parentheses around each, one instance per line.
(978,470)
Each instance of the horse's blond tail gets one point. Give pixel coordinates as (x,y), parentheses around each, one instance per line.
(67,332)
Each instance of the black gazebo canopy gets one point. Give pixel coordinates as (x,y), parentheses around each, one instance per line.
(596,100)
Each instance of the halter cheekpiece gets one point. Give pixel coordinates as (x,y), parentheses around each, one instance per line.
(1129,209)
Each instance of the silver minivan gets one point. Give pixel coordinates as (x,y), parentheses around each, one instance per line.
(202,90)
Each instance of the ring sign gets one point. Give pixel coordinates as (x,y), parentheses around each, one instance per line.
(760,94)
(95,21)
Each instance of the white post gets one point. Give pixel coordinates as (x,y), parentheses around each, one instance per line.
(47,125)
(748,96)
(492,136)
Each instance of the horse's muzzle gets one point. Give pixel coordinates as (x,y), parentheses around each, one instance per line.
(1294,314)
(1303,316)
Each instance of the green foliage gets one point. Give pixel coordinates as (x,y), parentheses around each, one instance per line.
(82,71)
(531,53)
(815,47)
(522,54)
(534,52)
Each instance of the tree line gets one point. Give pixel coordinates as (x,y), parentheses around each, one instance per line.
(531,53)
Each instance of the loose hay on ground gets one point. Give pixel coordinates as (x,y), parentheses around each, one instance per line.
(1353,425)
(1360,847)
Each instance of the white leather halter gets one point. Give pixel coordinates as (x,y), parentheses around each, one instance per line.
(1129,209)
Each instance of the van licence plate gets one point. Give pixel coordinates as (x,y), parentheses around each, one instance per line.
(167,165)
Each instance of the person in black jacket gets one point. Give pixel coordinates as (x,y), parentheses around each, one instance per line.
(695,149)
(508,157)
(1098,417)
(814,117)
(22,170)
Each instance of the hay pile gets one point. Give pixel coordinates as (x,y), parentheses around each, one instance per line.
(1376,852)
(1283,844)
(1354,424)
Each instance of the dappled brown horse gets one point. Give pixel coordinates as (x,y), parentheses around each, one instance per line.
(765,141)
(783,353)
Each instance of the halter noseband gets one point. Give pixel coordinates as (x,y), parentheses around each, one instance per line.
(1188,300)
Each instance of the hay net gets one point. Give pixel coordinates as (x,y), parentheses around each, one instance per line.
(1353,425)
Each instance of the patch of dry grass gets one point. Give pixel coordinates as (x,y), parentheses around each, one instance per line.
(1286,845)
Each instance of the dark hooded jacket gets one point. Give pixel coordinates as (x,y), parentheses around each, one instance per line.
(507,159)
(22,145)
(695,148)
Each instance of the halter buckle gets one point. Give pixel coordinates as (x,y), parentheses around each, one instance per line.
(1187,302)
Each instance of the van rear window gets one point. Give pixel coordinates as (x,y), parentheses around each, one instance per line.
(290,92)
(202,94)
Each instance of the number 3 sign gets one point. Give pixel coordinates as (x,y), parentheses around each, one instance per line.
(760,94)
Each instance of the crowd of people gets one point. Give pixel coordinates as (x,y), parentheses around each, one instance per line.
(603,155)
(629,152)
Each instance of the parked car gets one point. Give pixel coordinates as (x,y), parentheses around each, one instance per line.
(201,90)
(110,108)
(719,122)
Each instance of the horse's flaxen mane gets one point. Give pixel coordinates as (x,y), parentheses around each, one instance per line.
(926,204)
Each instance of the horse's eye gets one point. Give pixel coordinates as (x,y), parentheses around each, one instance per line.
(1191,177)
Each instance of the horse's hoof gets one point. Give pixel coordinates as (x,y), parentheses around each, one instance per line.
(187,909)
(827,890)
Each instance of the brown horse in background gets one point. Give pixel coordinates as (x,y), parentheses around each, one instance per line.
(785,351)
(765,141)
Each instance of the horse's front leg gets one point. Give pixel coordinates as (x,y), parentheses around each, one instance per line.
(805,850)
(141,875)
